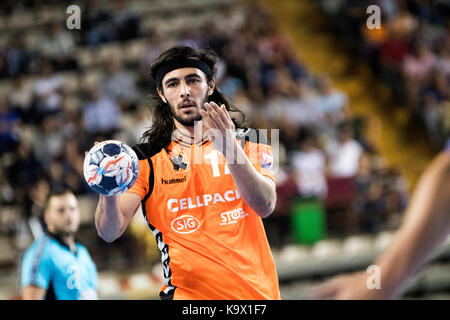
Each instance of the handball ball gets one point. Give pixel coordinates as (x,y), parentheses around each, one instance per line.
(111,167)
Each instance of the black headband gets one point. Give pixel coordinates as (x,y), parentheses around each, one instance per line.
(182,63)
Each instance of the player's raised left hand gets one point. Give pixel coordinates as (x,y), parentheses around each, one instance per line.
(219,127)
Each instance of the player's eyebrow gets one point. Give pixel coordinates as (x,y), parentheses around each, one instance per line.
(170,80)
(191,75)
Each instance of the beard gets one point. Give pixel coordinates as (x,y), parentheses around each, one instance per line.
(65,233)
(188,120)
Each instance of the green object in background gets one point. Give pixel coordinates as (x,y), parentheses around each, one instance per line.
(308,220)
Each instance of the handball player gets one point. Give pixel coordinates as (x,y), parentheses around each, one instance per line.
(205,211)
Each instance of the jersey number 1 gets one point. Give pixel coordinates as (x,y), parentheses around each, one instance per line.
(212,156)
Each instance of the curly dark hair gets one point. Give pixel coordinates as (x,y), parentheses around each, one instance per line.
(160,132)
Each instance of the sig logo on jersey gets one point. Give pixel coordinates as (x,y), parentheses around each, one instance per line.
(185,224)
(232,216)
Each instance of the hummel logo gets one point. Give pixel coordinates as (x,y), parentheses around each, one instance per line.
(178,180)
(178,163)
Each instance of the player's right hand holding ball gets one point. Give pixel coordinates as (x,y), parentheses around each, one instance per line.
(111,167)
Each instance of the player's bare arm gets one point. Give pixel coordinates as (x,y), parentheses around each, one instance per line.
(114,214)
(257,191)
(426,225)
(33,293)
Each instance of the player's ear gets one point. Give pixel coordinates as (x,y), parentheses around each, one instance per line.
(211,86)
(45,216)
(161,95)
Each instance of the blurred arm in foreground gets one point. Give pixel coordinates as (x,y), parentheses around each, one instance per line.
(426,226)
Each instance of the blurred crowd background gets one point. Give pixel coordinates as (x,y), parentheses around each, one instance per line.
(339,199)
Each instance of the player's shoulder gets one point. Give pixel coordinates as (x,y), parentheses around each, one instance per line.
(146,150)
(39,249)
(252,135)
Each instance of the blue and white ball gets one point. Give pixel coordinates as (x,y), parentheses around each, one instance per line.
(111,167)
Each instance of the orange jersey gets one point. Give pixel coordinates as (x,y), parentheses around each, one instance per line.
(213,245)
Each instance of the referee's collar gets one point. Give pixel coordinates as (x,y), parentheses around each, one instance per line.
(61,242)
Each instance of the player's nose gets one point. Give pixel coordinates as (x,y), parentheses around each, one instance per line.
(185,90)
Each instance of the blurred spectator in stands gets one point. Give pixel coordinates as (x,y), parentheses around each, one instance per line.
(57,45)
(125,20)
(21,98)
(71,106)
(6,191)
(9,124)
(155,44)
(73,155)
(217,37)
(101,115)
(446,120)
(8,6)
(372,207)
(3,60)
(237,60)
(443,58)
(230,20)
(56,174)
(230,86)
(432,113)
(118,85)
(442,84)
(366,173)
(191,37)
(413,72)
(388,7)
(309,164)
(301,108)
(369,203)
(331,102)
(426,11)
(24,170)
(49,143)
(62,174)
(425,33)
(18,59)
(270,59)
(393,51)
(404,22)
(134,125)
(438,85)
(48,91)
(344,154)
(373,39)
(396,197)
(274,108)
(36,197)
(244,104)
(97,24)
(72,164)
(416,67)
